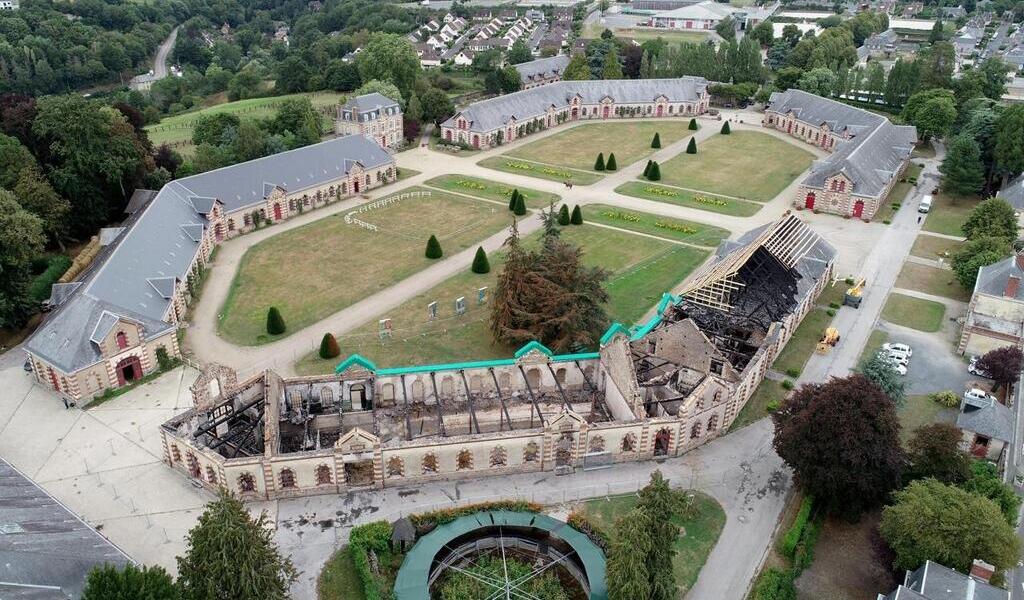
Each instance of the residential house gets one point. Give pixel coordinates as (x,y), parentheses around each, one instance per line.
(995,314)
(374,116)
(986,426)
(882,44)
(932,581)
(464,58)
(1015,93)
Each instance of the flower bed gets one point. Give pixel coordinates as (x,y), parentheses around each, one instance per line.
(622,216)
(546,170)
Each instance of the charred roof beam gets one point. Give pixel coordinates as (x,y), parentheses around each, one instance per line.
(473,423)
(504,407)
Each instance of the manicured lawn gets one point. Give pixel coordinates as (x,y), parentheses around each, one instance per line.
(948,213)
(339,580)
(745,164)
(931,280)
(898,193)
(921,410)
(642,269)
(519,166)
(699,530)
(670,195)
(833,293)
(313,271)
(684,231)
(756,408)
(916,313)
(489,190)
(577,148)
(875,341)
(800,347)
(594,30)
(929,246)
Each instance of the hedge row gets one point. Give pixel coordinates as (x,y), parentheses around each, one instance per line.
(39,288)
(424,522)
(774,584)
(362,540)
(796,530)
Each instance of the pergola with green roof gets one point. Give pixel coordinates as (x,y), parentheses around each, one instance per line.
(415,575)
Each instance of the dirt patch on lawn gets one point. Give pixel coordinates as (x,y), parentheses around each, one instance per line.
(848,563)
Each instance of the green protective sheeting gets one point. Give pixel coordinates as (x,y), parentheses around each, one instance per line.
(412,580)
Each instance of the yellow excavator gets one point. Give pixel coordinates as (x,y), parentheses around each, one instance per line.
(854,294)
(828,340)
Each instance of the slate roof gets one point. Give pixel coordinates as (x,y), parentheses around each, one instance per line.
(42,543)
(1014,193)
(370,102)
(870,158)
(992,278)
(987,417)
(542,67)
(493,113)
(707,10)
(131,278)
(932,581)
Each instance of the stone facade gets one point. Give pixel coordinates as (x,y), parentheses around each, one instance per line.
(995,315)
(374,116)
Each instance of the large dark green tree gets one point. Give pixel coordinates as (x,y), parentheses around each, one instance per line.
(1009,141)
(992,218)
(934,451)
(841,438)
(627,569)
(962,171)
(986,482)
(975,254)
(881,369)
(229,554)
(658,501)
(21,240)
(108,582)
(389,57)
(932,112)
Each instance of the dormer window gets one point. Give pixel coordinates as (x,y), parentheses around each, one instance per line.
(122,340)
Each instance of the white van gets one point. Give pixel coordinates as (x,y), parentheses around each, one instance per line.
(925,205)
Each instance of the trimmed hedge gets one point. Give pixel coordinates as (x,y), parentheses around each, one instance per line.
(424,522)
(275,322)
(375,537)
(774,584)
(796,530)
(803,556)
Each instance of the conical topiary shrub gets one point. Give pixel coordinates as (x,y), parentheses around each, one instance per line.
(599,163)
(725,128)
(611,165)
(480,263)
(691,148)
(329,347)
(513,199)
(520,208)
(647,168)
(577,216)
(655,173)
(434,248)
(563,215)
(693,124)
(656,142)
(275,322)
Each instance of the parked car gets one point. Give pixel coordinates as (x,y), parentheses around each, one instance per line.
(973,368)
(976,394)
(901,369)
(898,347)
(899,360)
(900,357)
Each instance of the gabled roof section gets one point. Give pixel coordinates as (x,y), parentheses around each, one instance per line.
(103,326)
(355,360)
(163,286)
(60,292)
(531,347)
(203,205)
(108,235)
(193,231)
(268,189)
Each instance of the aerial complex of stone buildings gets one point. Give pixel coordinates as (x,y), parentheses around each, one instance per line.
(374,116)
(106,329)
(505,118)
(995,315)
(542,71)
(658,389)
(868,154)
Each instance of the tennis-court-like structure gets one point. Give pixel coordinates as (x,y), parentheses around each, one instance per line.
(547,542)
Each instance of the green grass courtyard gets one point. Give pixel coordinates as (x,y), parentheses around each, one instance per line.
(489,190)
(315,270)
(745,164)
(689,199)
(916,313)
(677,229)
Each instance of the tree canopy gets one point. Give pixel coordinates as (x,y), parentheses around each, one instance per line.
(108,582)
(992,218)
(963,172)
(934,451)
(881,369)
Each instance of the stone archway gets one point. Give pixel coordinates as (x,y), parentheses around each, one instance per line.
(128,369)
(661,442)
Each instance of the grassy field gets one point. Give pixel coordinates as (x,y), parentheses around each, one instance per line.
(313,271)
(699,530)
(642,269)
(931,247)
(489,190)
(921,410)
(684,231)
(800,347)
(179,127)
(594,30)
(339,579)
(541,171)
(738,165)
(931,280)
(948,213)
(756,408)
(875,341)
(916,313)
(670,195)
(577,148)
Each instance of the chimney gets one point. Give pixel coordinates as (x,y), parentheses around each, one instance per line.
(1012,284)
(1020,260)
(981,570)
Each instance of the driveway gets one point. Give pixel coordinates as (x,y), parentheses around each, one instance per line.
(934,366)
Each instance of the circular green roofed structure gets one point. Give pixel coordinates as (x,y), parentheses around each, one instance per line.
(548,542)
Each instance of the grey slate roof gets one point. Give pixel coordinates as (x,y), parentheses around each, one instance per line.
(42,543)
(132,278)
(371,104)
(992,278)
(1014,193)
(932,581)
(869,159)
(542,67)
(987,417)
(493,113)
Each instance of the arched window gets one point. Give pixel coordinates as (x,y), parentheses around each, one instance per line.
(246,483)
(499,457)
(505,381)
(560,375)
(122,340)
(287,478)
(193,465)
(464,460)
(175,453)
(323,475)
(387,391)
(447,387)
(326,396)
(695,431)
(430,463)
(396,468)
(629,442)
(531,453)
(231,224)
(596,444)
(712,424)
(211,475)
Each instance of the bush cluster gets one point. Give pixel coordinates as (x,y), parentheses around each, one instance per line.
(375,537)
(424,522)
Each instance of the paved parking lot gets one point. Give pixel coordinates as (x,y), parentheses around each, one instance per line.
(935,366)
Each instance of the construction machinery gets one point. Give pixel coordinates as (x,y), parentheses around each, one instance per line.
(828,340)
(854,294)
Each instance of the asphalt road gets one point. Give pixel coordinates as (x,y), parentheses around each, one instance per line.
(160,62)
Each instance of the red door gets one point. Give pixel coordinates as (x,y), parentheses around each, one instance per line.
(606,109)
(129,369)
(789,127)
(660,109)
(476,141)
(53,380)
(858,208)
(809,201)
(277,212)
(575,113)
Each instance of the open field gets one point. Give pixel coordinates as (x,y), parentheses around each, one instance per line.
(313,271)
(931,247)
(800,347)
(178,128)
(702,527)
(931,280)
(768,391)
(916,313)
(922,410)
(948,213)
(489,190)
(541,171)
(642,269)
(744,164)
(698,200)
(577,148)
(677,229)
(639,34)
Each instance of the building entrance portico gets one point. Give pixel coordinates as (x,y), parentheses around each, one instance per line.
(128,369)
